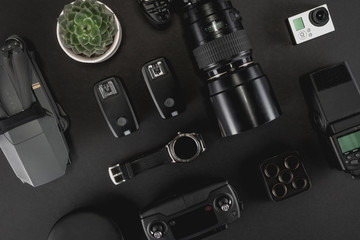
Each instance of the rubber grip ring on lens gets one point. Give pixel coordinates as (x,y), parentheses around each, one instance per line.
(222,48)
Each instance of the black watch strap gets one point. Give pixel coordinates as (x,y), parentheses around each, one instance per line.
(125,171)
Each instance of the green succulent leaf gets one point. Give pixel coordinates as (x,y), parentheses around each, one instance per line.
(101,46)
(78,3)
(61,18)
(86,11)
(70,26)
(101,8)
(89,47)
(105,17)
(67,43)
(95,41)
(106,36)
(108,42)
(80,48)
(74,40)
(95,31)
(79,17)
(66,36)
(88,21)
(94,10)
(76,9)
(86,4)
(114,31)
(69,14)
(79,31)
(88,53)
(74,49)
(68,6)
(63,24)
(83,40)
(111,27)
(100,52)
(97,20)
(104,27)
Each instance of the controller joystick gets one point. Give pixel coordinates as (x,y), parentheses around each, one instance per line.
(224,204)
(157,230)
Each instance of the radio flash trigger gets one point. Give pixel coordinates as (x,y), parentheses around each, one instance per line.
(164,87)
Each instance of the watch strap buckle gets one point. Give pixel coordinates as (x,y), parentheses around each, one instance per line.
(120,173)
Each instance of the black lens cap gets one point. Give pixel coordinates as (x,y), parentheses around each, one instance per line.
(85,225)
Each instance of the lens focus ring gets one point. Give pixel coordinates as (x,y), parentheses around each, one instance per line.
(222,48)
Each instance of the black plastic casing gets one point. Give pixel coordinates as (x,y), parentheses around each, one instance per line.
(179,206)
(164,88)
(115,107)
(335,108)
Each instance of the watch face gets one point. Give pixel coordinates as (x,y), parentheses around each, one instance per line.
(186,148)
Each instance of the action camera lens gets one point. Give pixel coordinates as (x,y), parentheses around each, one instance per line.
(271,170)
(319,17)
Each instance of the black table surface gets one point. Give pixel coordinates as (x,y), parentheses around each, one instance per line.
(330,210)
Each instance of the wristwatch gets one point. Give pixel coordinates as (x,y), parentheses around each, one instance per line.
(184,148)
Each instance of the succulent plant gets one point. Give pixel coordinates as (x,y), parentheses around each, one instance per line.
(87,27)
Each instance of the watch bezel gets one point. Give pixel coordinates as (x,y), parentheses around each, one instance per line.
(200,146)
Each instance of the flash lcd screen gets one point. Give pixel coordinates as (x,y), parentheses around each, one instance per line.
(299,24)
(349,142)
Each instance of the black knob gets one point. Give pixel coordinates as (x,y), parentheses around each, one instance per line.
(224,204)
(157,230)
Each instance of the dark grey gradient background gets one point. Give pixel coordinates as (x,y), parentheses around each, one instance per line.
(330,210)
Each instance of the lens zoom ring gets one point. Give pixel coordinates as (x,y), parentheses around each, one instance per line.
(222,48)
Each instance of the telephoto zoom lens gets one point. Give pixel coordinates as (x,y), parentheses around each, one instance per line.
(240,92)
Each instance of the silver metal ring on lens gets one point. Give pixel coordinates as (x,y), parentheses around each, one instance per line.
(293,158)
(284,188)
(283,180)
(305,183)
(268,172)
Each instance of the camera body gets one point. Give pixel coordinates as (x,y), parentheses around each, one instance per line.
(335,111)
(311,24)
(193,215)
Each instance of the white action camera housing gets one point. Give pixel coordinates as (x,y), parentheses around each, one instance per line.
(311,24)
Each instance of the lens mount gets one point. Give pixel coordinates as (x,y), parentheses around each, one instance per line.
(319,17)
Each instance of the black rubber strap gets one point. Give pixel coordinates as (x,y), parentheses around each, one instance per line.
(131,169)
(222,48)
(28,115)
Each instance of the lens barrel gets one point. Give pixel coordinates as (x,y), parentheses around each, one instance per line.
(243,100)
(240,92)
